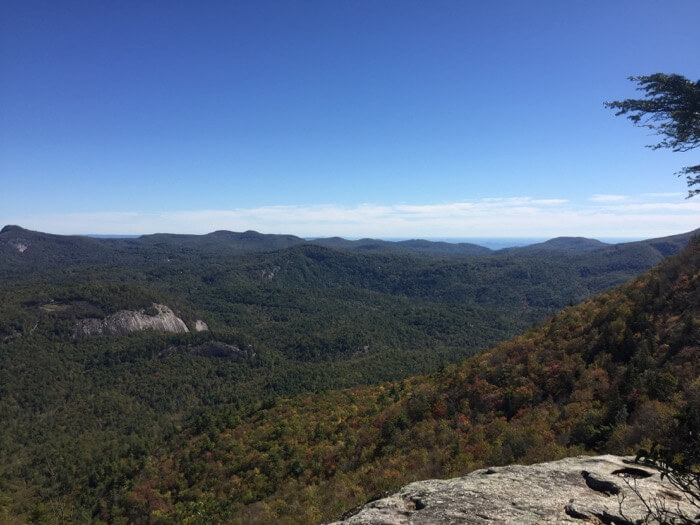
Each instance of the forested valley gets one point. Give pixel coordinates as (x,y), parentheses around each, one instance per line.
(316,404)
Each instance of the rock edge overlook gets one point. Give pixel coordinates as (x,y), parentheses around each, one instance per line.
(552,492)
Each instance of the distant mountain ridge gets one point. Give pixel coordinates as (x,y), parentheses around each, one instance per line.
(252,242)
(420,246)
(566,244)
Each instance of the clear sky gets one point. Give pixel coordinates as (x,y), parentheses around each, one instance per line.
(354,118)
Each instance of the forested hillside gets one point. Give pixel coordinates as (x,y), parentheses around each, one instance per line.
(87,421)
(609,375)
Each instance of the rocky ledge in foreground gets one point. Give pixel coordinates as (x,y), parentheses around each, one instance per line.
(577,490)
(161,319)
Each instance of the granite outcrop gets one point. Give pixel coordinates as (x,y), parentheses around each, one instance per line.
(577,490)
(159,318)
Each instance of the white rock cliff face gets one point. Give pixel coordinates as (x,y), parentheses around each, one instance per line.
(127,321)
(20,246)
(554,492)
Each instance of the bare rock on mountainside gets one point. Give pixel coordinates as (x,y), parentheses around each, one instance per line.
(200,326)
(553,492)
(163,319)
(20,245)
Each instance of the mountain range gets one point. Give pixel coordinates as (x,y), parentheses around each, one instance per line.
(251,242)
(301,399)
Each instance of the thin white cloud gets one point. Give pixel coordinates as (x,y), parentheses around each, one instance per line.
(492,217)
(550,201)
(606,197)
(663,195)
(639,207)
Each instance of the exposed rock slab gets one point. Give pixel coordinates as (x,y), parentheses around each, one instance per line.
(127,321)
(200,326)
(20,245)
(554,492)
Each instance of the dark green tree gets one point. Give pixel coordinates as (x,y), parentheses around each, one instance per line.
(671,107)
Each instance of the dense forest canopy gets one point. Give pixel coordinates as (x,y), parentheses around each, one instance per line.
(616,373)
(89,421)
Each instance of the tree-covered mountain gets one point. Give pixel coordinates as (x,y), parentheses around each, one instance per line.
(407,313)
(24,251)
(561,244)
(417,246)
(619,371)
(83,417)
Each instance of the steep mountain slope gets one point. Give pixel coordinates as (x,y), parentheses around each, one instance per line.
(606,375)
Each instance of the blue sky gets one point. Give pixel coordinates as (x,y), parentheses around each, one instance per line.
(356,118)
